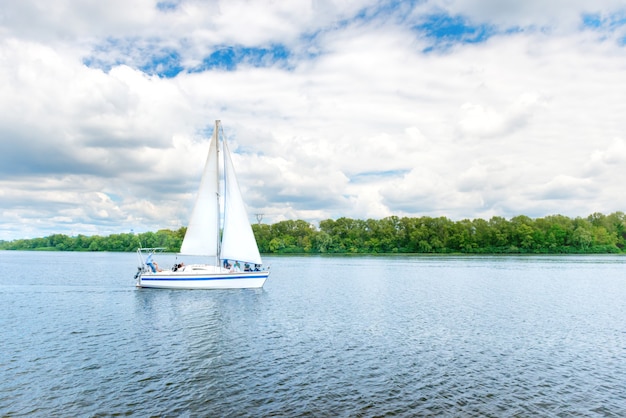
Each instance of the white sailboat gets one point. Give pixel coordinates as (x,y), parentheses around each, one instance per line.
(236,259)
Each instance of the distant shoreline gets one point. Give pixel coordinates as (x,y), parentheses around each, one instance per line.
(554,234)
(359,254)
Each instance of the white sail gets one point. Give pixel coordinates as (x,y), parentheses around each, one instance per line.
(238,242)
(202,236)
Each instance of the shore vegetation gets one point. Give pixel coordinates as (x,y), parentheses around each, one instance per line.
(554,234)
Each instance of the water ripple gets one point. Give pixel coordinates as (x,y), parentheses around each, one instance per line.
(327,337)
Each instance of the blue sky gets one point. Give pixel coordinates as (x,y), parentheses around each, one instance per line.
(365,109)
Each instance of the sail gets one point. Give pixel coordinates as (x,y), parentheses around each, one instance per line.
(238,241)
(202,235)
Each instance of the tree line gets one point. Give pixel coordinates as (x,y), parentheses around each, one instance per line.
(170,240)
(555,234)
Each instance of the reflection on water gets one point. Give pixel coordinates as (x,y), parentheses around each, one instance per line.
(327,336)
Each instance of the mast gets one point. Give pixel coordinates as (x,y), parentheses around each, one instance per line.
(217,194)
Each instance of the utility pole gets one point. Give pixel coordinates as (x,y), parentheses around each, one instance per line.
(259,218)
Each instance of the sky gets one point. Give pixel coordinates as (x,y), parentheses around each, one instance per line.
(333,108)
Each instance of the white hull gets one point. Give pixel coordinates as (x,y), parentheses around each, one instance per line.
(201,277)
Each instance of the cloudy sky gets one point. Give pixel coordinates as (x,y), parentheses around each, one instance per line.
(364,109)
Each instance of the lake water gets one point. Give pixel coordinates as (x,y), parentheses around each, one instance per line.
(326,337)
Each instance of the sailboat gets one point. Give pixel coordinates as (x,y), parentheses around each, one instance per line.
(231,246)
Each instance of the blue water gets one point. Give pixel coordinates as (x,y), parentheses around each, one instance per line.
(326,336)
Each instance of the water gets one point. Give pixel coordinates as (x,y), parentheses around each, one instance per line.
(327,336)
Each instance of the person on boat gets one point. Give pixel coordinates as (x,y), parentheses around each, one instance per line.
(178,266)
(154,266)
(227,265)
(246,267)
(237,266)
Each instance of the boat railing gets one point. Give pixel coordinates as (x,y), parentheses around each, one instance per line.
(147,251)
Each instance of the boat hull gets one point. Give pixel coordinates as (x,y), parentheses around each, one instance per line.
(174,280)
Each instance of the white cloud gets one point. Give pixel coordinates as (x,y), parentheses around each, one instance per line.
(614,154)
(564,188)
(486,122)
(360,121)
(553,16)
